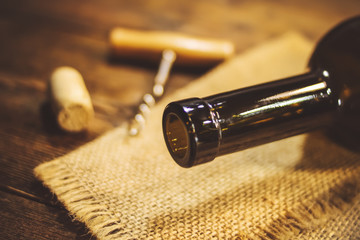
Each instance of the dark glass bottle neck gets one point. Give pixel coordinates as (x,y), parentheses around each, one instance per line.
(255,115)
(198,130)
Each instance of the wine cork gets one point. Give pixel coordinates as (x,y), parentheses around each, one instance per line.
(70,99)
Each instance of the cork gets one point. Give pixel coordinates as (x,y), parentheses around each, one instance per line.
(70,99)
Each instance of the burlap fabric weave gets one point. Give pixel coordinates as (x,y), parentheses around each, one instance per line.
(130,188)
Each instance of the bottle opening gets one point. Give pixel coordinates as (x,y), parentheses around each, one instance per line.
(176,136)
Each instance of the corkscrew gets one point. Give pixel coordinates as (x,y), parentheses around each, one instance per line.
(149,99)
(150,45)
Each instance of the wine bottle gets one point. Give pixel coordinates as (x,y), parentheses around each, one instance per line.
(197,130)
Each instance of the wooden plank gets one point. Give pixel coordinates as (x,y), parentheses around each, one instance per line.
(26,219)
(242,21)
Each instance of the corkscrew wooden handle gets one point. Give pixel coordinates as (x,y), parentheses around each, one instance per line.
(151,44)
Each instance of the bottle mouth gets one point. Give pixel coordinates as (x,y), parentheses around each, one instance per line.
(191,135)
(176,137)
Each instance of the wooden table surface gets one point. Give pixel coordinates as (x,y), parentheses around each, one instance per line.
(38,36)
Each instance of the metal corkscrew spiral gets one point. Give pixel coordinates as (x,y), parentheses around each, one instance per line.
(149,99)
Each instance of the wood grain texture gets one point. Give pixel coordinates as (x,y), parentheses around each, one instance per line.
(37,221)
(38,36)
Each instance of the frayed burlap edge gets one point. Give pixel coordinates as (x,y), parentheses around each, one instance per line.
(78,200)
(101,221)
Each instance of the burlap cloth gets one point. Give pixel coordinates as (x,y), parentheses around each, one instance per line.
(129,188)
